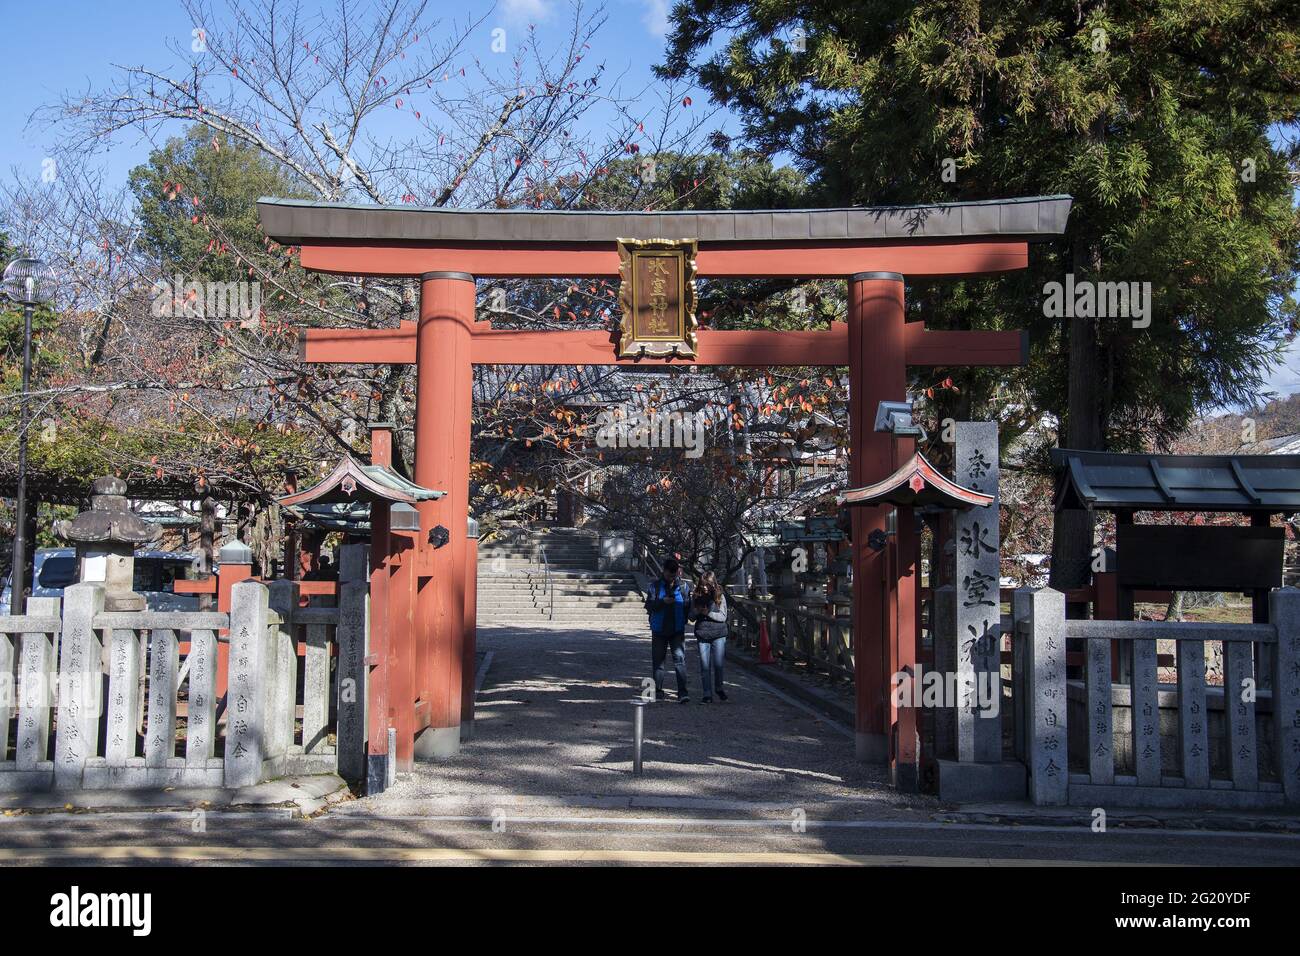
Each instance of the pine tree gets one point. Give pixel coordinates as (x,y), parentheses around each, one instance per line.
(1166,120)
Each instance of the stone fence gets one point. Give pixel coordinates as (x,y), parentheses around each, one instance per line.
(1093,743)
(91,699)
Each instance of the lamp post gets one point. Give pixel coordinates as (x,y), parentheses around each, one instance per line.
(27,283)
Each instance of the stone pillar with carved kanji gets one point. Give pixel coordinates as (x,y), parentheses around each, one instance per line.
(977,651)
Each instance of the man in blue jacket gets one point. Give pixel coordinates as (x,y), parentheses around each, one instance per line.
(668,604)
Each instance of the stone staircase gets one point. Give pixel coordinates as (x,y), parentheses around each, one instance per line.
(512,586)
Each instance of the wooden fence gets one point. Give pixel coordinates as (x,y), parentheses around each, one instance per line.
(822,642)
(93,699)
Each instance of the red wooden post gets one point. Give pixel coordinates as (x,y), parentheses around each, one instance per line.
(469,649)
(444,373)
(888,586)
(236,564)
(399,657)
(905,771)
(877,371)
(378,698)
(307,560)
(426,625)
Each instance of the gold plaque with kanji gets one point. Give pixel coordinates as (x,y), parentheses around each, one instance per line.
(657,297)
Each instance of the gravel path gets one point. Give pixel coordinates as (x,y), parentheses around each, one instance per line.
(554,726)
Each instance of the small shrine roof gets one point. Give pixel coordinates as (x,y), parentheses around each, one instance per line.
(351,481)
(917,483)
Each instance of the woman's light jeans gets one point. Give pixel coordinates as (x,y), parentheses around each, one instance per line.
(712,654)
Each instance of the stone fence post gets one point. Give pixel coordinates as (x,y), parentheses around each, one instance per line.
(252,676)
(1284,613)
(284,659)
(81,684)
(1021,618)
(1046,741)
(37,683)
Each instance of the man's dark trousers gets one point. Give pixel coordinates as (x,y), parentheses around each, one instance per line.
(660,645)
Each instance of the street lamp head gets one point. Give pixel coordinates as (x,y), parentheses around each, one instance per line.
(28,281)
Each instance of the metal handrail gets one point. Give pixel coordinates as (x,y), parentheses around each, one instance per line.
(649,563)
(550,584)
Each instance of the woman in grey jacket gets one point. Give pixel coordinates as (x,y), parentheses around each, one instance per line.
(709,611)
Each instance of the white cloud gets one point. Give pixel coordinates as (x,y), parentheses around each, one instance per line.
(655,17)
(1285,378)
(530,10)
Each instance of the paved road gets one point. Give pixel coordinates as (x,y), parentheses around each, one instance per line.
(645,837)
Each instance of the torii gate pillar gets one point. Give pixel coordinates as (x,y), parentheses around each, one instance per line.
(444,381)
(877,372)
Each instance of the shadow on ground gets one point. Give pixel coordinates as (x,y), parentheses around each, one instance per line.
(554,718)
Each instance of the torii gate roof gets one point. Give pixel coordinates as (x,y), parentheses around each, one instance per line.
(352,481)
(917,483)
(940,239)
(294,221)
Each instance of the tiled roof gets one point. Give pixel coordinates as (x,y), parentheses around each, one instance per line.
(1109,481)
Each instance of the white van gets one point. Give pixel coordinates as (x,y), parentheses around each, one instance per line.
(56,568)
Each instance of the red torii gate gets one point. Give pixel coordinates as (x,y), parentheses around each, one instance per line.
(872,248)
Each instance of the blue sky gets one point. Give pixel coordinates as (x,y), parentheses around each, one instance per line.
(66,46)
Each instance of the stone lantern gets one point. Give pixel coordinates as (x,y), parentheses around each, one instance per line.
(106,538)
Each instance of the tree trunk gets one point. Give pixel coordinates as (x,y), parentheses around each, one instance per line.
(1073,530)
(1174,612)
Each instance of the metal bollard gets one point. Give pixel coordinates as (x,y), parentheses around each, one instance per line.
(638,732)
(392,758)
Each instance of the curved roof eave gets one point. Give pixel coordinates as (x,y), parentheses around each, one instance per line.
(916,483)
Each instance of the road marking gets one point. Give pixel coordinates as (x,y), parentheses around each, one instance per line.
(810,823)
(63,817)
(43,821)
(357,854)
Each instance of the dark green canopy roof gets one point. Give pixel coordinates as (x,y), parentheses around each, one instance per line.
(1108,481)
